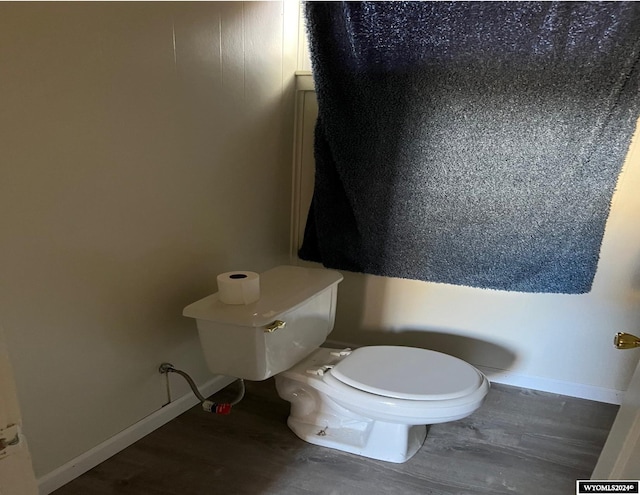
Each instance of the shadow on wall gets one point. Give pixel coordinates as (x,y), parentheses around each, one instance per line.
(472,350)
(635,280)
(382,311)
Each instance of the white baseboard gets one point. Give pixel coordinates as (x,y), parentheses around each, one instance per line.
(578,390)
(507,377)
(84,462)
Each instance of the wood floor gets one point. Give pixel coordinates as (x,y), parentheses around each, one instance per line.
(518,442)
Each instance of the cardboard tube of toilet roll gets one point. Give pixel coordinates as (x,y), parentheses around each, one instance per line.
(239,287)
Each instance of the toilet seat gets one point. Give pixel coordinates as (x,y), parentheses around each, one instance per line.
(407,373)
(430,409)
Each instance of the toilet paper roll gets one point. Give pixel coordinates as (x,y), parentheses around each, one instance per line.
(239,287)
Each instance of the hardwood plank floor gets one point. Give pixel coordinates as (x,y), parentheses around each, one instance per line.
(520,441)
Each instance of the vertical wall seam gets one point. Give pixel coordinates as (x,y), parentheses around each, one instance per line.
(173,40)
(244,57)
(220,49)
(282,46)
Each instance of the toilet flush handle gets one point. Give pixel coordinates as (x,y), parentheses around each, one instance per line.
(625,341)
(274,325)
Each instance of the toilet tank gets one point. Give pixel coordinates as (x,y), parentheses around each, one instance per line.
(240,340)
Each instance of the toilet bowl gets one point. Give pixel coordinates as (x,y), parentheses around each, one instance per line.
(374,401)
(377,401)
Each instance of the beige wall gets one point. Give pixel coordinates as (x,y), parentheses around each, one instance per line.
(145,148)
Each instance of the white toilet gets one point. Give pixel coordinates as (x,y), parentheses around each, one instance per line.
(373,401)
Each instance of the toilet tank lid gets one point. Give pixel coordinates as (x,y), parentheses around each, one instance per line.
(282,289)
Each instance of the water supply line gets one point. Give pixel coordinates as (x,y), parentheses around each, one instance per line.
(207,405)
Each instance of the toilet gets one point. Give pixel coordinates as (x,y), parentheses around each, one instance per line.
(373,401)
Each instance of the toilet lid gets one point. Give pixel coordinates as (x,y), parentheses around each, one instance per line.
(407,373)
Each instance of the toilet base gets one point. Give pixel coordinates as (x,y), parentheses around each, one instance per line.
(376,440)
(317,419)
(330,413)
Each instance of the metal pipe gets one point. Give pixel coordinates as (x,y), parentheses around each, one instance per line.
(168,368)
(207,405)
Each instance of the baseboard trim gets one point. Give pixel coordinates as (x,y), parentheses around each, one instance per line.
(507,377)
(578,390)
(100,453)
